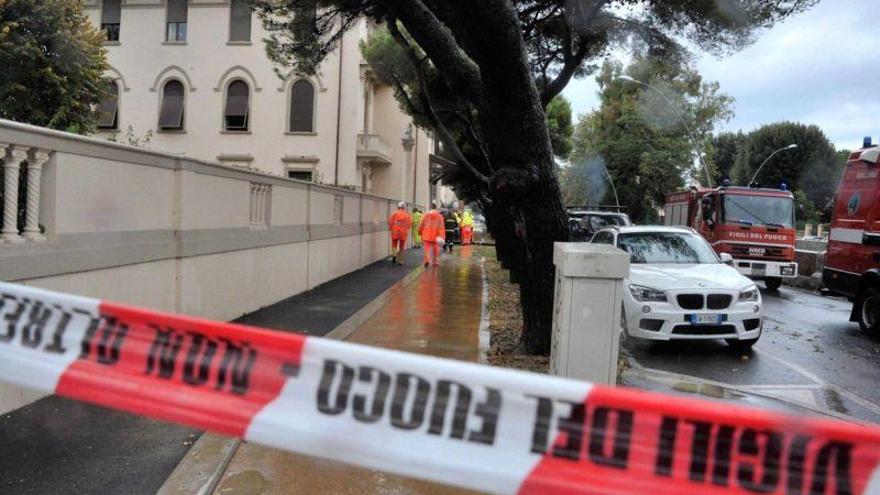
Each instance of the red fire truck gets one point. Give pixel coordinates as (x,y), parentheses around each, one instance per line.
(755,226)
(852,260)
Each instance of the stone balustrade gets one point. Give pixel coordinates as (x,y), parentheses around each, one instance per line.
(22,165)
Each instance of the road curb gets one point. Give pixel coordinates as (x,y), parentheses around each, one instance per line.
(202,468)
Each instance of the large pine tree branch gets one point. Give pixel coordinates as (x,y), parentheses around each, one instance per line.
(425,99)
(432,36)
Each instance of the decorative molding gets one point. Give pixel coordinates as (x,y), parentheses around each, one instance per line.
(292,77)
(237,72)
(115,75)
(310,159)
(235,157)
(170,72)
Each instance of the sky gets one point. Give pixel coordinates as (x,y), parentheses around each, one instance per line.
(818,67)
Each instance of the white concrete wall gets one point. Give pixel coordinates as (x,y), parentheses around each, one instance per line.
(174,234)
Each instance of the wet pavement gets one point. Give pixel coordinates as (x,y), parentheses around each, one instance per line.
(439,314)
(57,445)
(809,354)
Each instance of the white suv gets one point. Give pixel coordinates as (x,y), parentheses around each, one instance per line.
(678,288)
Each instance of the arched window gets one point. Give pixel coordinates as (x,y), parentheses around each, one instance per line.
(302,107)
(108,109)
(171,114)
(235,116)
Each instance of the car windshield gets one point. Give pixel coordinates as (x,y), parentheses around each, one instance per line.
(758,210)
(596,222)
(666,247)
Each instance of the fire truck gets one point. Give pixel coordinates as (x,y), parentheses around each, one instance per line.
(852,259)
(755,226)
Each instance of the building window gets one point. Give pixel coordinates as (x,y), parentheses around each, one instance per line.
(305,18)
(240,21)
(235,117)
(111,12)
(302,107)
(305,175)
(171,114)
(108,109)
(176,20)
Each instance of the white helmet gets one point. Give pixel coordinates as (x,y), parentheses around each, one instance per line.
(402,204)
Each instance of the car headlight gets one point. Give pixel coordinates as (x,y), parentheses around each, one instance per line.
(749,294)
(647,294)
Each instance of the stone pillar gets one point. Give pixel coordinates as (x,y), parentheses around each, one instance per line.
(34,179)
(11,172)
(253,206)
(808,229)
(586,311)
(820,228)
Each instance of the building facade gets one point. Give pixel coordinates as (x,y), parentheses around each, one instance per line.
(194,74)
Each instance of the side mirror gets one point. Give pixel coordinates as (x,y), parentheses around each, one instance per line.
(726,258)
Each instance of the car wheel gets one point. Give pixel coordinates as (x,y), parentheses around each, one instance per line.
(742,345)
(869,310)
(773,283)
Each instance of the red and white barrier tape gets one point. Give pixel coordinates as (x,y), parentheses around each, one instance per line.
(457,423)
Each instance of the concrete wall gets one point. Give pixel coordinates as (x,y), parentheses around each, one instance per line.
(176,234)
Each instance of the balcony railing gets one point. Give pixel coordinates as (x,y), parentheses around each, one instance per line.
(22,176)
(371,147)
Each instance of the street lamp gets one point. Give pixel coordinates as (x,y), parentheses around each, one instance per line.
(789,147)
(611,180)
(680,117)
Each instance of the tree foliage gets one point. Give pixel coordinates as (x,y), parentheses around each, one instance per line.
(52,64)
(812,167)
(640,137)
(560,126)
(726,146)
(481,73)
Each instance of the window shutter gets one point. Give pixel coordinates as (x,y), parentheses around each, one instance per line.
(108,109)
(177,10)
(110,12)
(302,107)
(237,105)
(171,116)
(240,21)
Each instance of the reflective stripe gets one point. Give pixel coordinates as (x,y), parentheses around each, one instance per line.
(752,243)
(847,235)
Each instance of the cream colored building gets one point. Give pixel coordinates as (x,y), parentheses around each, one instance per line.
(195,74)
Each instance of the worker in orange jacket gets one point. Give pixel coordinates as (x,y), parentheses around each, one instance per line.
(432,229)
(399,222)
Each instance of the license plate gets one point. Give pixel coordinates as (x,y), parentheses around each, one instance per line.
(706,319)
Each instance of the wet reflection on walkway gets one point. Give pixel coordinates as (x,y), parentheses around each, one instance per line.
(437,314)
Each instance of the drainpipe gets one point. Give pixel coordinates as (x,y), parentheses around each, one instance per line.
(416,166)
(338,108)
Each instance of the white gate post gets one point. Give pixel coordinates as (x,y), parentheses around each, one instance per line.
(586,313)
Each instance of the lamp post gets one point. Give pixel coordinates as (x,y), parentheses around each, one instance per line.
(680,117)
(611,181)
(789,147)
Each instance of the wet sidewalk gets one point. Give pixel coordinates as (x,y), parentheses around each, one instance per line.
(438,312)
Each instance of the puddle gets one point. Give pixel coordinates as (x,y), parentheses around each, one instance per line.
(249,482)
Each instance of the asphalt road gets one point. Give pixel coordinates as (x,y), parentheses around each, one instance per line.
(809,352)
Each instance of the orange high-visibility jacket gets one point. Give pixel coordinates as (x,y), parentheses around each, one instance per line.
(432,226)
(399,222)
